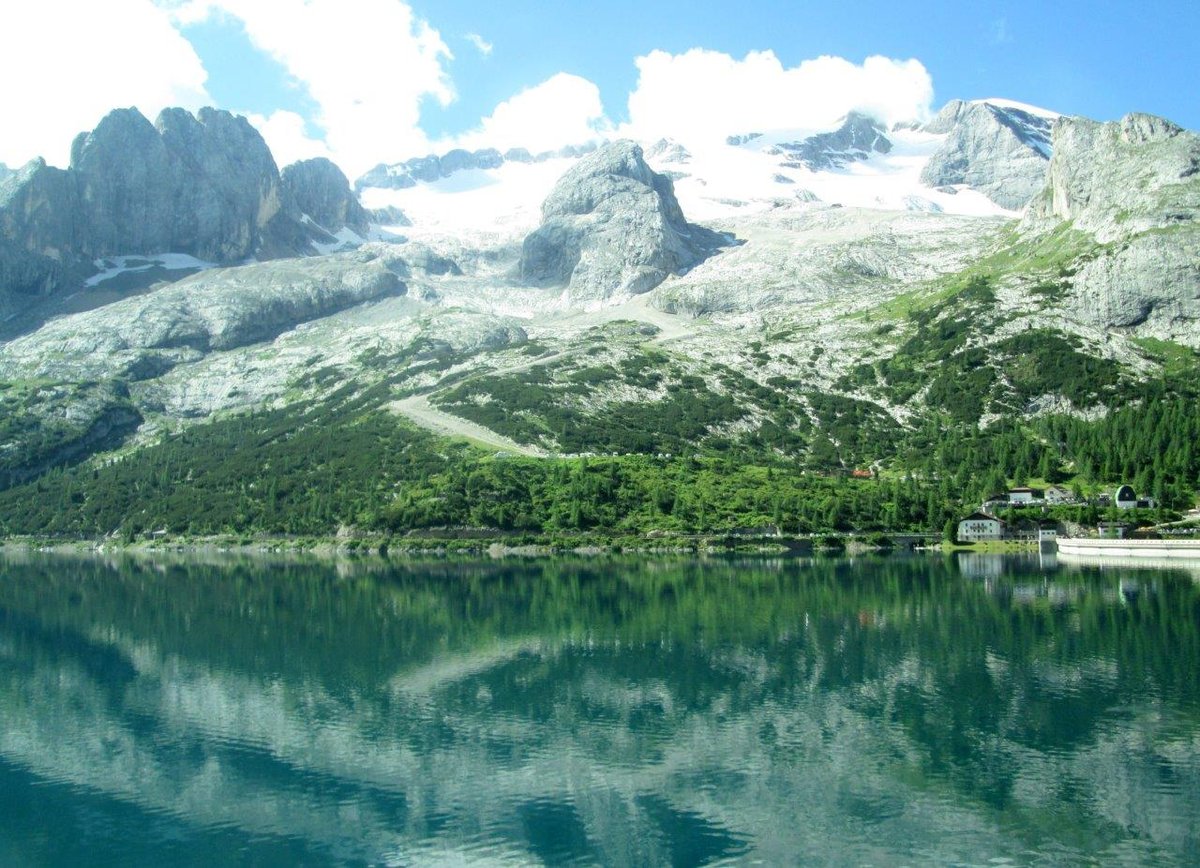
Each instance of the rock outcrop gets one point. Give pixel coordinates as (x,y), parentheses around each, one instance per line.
(1134,187)
(319,189)
(221,309)
(856,139)
(612,226)
(1122,178)
(204,185)
(1000,150)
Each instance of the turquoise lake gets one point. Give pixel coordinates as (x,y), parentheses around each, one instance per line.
(904,710)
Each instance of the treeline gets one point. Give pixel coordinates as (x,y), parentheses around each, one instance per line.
(308,472)
(313,470)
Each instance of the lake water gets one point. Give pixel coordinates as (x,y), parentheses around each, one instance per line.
(618,712)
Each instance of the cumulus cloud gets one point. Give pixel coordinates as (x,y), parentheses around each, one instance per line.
(563,110)
(368,65)
(703,96)
(65,64)
(287,136)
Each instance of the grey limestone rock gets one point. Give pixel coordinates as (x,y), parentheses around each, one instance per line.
(1118,179)
(612,226)
(1000,151)
(221,309)
(1134,186)
(431,168)
(204,185)
(668,151)
(318,188)
(39,231)
(1150,284)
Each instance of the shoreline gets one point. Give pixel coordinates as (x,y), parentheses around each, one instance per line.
(532,546)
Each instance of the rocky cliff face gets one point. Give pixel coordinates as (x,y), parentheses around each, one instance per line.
(1001,151)
(612,226)
(205,185)
(1133,186)
(319,189)
(145,336)
(1119,179)
(38,232)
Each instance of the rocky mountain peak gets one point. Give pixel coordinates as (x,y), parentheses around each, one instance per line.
(1134,186)
(612,226)
(431,168)
(858,137)
(319,189)
(204,185)
(1120,178)
(999,149)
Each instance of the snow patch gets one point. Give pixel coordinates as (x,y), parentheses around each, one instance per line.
(113,266)
(344,239)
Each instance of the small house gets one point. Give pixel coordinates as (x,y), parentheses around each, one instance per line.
(1023,495)
(980,526)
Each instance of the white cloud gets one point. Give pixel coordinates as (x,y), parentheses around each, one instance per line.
(563,110)
(66,63)
(481,45)
(703,96)
(368,65)
(287,137)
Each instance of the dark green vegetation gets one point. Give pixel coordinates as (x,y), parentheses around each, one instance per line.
(969,376)
(312,470)
(47,425)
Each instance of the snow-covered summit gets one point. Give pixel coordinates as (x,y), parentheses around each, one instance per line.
(976,158)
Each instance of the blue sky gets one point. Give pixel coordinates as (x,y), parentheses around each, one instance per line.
(377,80)
(1097,59)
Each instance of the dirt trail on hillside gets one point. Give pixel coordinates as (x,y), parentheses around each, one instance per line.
(419,409)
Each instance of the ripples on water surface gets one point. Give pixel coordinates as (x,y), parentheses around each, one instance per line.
(613,712)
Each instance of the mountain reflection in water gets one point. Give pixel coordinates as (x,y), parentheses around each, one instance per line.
(620,712)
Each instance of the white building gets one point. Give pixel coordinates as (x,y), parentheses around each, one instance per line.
(980,526)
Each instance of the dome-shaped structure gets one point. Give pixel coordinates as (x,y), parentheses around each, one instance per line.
(1125,494)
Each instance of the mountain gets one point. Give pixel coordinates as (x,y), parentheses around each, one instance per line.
(319,190)
(857,138)
(1131,190)
(852,319)
(430,168)
(612,227)
(997,147)
(184,193)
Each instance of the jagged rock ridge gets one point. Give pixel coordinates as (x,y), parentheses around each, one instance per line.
(1134,187)
(204,185)
(401,176)
(612,226)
